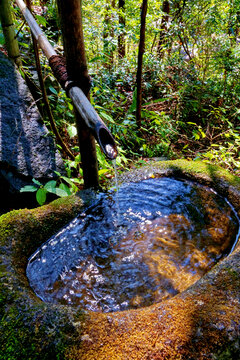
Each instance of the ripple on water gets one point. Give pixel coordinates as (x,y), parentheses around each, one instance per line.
(161,237)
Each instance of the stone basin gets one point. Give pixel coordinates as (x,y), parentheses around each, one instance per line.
(202,322)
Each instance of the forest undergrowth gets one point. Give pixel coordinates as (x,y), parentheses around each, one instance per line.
(190,82)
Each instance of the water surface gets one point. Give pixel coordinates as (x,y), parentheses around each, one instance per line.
(157,239)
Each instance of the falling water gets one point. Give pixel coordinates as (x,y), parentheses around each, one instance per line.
(117,191)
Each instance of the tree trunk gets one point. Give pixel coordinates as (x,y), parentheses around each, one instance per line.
(140,62)
(163,28)
(70,13)
(108,34)
(122,24)
(113,5)
(8,27)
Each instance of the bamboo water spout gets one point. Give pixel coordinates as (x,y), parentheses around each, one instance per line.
(82,104)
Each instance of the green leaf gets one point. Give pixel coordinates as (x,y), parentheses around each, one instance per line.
(78,158)
(61,192)
(69,181)
(77,181)
(41,196)
(23,44)
(72,182)
(41,20)
(102,171)
(50,186)
(72,131)
(36,182)
(202,133)
(95,59)
(134,102)
(1,39)
(65,188)
(54,91)
(106,117)
(155,101)
(28,188)
(70,106)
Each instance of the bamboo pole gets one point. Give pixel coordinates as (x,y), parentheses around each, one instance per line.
(43,42)
(8,27)
(81,102)
(70,12)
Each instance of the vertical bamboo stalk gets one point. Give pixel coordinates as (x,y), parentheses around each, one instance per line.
(71,23)
(8,27)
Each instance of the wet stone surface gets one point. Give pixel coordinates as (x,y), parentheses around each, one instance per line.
(143,245)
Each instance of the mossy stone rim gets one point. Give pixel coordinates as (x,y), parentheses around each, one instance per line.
(203,322)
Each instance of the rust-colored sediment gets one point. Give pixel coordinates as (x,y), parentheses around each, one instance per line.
(190,326)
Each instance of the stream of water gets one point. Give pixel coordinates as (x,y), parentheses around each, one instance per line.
(140,245)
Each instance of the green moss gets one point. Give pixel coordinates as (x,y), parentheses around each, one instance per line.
(30,329)
(234,275)
(213,172)
(198,167)
(35,333)
(48,218)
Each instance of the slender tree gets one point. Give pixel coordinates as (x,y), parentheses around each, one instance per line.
(122,24)
(140,62)
(163,27)
(108,34)
(106,26)
(70,13)
(8,27)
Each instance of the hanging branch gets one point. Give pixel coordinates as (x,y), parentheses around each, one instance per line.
(140,63)
(20,29)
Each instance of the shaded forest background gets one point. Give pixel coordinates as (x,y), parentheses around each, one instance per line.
(190,83)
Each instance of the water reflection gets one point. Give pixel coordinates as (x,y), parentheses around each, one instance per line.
(158,238)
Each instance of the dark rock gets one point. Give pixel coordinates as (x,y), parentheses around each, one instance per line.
(27,150)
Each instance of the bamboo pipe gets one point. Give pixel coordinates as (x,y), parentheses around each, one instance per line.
(82,104)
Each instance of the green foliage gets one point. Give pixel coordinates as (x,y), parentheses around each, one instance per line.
(50,187)
(225,152)
(190,86)
(1,36)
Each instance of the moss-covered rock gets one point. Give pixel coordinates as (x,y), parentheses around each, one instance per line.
(203,322)
(29,328)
